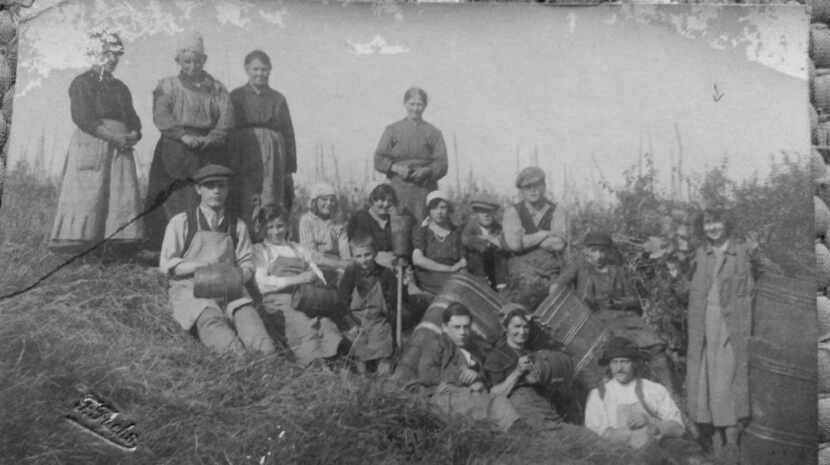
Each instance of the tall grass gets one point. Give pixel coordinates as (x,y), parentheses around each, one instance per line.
(107,328)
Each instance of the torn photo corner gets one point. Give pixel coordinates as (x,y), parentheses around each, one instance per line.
(514,144)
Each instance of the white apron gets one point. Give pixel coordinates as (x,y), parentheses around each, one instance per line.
(211,247)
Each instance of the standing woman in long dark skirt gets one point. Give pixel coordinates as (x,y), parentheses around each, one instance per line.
(99,192)
(412,154)
(194,114)
(262,141)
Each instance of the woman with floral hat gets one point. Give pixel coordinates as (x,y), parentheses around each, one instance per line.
(99,192)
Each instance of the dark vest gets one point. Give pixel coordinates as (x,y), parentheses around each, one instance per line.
(527,219)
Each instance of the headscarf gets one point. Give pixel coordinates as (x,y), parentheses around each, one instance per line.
(321,189)
(437,194)
(190,42)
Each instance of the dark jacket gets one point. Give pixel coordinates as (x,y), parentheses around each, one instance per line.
(438,361)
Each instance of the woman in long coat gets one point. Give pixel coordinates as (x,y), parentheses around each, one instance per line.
(99,192)
(262,141)
(412,154)
(194,114)
(720,321)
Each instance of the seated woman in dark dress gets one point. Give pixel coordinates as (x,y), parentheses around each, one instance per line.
(530,378)
(436,243)
(374,221)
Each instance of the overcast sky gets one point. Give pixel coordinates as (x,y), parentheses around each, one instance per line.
(578,84)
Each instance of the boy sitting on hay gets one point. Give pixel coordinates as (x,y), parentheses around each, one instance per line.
(206,254)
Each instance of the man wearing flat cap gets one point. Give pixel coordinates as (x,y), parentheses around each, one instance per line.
(483,244)
(535,232)
(208,237)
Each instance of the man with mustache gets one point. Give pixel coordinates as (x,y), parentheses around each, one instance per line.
(628,409)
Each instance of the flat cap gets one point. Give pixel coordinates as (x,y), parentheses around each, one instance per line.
(484,202)
(529,176)
(211,172)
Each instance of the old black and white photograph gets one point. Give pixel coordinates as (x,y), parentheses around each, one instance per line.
(278,232)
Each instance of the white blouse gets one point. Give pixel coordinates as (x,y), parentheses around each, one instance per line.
(601,414)
(265,254)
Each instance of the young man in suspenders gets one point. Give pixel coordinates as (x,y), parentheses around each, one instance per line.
(209,235)
(536,234)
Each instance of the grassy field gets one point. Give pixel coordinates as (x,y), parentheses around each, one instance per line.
(107,328)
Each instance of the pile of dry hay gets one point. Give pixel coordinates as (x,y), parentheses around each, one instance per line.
(106,328)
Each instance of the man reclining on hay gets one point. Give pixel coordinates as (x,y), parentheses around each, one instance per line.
(210,240)
(449,370)
(628,409)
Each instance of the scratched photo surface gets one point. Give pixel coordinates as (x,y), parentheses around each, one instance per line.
(122,342)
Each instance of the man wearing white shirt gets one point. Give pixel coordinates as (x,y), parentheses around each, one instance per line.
(628,409)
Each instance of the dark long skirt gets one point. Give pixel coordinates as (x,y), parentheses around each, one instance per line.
(173,161)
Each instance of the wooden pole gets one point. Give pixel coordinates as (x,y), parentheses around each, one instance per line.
(399,313)
(679,156)
(651,157)
(457,165)
(672,172)
(41,152)
(322,162)
(518,167)
(640,157)
(336,167)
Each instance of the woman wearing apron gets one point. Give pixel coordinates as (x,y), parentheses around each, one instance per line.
(194,114)
(412,154)
(99,192)
(262,141)
(281,266)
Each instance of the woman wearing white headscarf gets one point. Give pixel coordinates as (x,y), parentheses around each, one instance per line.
(99,192)
(318,230)
(194,114)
